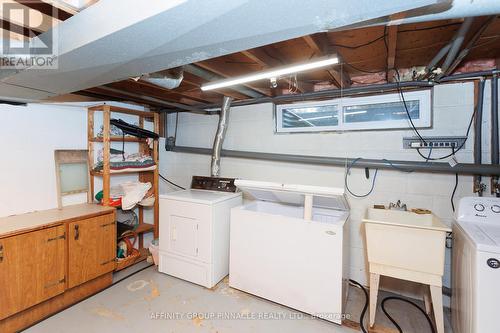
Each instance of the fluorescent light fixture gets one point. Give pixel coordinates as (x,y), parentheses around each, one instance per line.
(273,73)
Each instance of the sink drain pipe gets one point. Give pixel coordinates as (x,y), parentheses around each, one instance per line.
(495,146)
(219,136)
(479,187)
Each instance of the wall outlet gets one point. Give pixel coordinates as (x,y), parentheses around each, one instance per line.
(434,142)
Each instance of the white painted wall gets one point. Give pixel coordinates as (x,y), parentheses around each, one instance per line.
(29,135)
(251,128)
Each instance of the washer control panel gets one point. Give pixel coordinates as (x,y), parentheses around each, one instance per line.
(479,209)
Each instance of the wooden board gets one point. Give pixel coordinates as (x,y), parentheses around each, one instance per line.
(18,224)
(43,310)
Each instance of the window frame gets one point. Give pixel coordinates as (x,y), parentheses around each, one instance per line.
(425,113)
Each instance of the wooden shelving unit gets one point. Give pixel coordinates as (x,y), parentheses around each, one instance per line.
(144,176)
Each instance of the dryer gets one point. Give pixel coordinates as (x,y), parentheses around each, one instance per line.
(476,266)
(194,230)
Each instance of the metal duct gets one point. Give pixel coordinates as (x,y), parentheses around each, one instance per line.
(169,79)
(457,41)
(220,135)
(444,10)
(495,146)
(478,134)
(168,34)
(438,167)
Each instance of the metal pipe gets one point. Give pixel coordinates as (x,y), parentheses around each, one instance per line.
(438,167)
(470,75)
(470,45)
(457,43)
(437,58)
(220,135)
(330,93)
(335,93)
(478,134)
(495,144)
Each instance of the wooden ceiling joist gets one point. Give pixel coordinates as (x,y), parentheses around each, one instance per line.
(46,8)
(391,40)
(260,56)
(320,45)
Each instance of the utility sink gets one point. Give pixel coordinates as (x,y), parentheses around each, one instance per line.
(408,246)
(405,240)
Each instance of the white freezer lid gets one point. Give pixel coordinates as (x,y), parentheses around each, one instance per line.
(325,197)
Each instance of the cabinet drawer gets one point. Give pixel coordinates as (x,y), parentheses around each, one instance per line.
(32,269)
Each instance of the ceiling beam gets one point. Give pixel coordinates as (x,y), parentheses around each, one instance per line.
(194,96)
(154,100)
(18,29)
(392,37)
(259,56)
(46,8)
(206,66)
(321,47)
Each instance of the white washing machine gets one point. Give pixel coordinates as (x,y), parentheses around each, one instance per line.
(476,266)
(194,230)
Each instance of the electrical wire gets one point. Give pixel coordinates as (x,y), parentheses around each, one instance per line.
(353,47)
(453,193)
(406,107)
(171,182)
(365,307)
(347,184)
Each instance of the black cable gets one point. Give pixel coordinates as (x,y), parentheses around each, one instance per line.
(406,107)
(459,147)
(353,47)
(347,184)
(430,28)
(409,302)
(453,193)
(362,70)
(365,307)
(363,312)
(171,183)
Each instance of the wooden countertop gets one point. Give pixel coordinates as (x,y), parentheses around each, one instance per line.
(17,224)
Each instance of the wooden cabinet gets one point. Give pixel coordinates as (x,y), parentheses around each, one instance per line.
(91,249)
(32,269)
(52,259)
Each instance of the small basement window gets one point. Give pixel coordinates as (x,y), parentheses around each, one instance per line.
(356,113)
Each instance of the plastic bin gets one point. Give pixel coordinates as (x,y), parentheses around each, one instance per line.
(154,248)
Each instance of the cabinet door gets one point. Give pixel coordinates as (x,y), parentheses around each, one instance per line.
(32,268)
(91,249)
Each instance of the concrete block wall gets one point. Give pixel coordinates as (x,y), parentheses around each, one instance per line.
(251,128)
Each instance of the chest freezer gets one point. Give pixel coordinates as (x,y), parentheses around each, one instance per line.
(290,245)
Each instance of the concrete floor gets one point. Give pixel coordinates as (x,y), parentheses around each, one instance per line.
(153,302)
